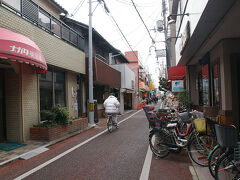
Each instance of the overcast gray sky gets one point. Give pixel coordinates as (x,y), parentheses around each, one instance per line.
(129,22)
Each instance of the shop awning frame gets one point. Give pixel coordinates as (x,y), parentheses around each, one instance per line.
(16,47)
(176,73)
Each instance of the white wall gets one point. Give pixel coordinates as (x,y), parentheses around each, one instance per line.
(195,9)
(127,76)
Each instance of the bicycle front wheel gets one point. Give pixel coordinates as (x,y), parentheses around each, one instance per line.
(110,124)
(227,168)
(156,140)
(198,151)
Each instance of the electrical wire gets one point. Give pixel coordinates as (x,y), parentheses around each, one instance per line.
(123,35)
(143,22)
(115,22)
(77,8)
(134,30)
(138,43)
(152,4)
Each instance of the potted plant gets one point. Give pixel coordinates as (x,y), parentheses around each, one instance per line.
(56,124)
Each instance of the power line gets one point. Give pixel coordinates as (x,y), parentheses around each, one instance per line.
(77,8)
(138,5)
(109,13)
(134,30)
(143,22)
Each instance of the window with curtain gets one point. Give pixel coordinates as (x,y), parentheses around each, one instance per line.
(216,85)
(52,89)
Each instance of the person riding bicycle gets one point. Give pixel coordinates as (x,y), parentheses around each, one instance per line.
(111,105)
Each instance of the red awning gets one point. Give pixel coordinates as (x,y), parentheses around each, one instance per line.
(17,47)
(176,72)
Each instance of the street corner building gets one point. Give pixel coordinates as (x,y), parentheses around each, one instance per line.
(42,61)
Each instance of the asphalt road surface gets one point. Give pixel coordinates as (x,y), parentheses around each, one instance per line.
(98,154)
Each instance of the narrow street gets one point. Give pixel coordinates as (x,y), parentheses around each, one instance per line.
(98,154)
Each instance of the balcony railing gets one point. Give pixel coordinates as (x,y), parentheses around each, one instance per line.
(41,18)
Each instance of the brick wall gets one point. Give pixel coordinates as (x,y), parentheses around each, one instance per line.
(60,131)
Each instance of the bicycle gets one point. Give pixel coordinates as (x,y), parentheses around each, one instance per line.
(110,123)
(166,138)
(228,164)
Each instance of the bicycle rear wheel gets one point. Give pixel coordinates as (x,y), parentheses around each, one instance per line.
(227,168)
(213,157)
(156,139)
(198,151)
(110,124)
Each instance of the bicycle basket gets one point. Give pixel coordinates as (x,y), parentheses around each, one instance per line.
(226,135)
(200,124)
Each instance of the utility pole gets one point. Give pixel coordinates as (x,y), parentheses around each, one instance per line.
(90,70)
(164,9)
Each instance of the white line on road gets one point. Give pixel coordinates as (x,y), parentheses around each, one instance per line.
(65,153)
(146,165)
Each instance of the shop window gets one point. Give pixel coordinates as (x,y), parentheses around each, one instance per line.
(52,89)
(16,4)
(216,85)
(44,20)
(205,84)
(59,88)
(46,91)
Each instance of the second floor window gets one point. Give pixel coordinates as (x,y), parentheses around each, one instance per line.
(56,29)
(44,20)
(16,4)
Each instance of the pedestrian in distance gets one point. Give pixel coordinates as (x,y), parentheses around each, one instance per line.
(111,105)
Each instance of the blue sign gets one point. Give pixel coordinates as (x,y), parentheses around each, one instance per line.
(177,86)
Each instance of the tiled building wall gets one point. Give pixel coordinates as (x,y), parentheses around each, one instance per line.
(29,99)
(56,51)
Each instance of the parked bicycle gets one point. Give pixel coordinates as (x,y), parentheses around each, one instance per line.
(166,136)
(228,164)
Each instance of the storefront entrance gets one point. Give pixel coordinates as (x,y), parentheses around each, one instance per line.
(2,108)
(127,101)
